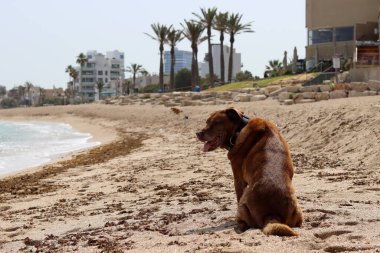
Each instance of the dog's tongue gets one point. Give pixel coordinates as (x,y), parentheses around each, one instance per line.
(207,146)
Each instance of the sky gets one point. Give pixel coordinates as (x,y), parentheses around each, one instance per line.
(40,38)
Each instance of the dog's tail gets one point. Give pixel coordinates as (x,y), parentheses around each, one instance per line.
(275,227)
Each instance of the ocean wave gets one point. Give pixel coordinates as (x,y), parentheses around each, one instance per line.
(29,144)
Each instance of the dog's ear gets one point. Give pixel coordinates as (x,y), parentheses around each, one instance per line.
(233,114)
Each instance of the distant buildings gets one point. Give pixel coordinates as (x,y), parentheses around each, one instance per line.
(35,96)
(142,81)
(236,68)
(348,29)
(108,69)
(182,60)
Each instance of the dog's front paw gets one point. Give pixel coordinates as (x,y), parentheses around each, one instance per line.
(241,227)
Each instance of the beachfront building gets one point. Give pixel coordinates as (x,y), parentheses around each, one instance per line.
(236,68)
(108,69)
(348,29)
(182,60)
(144,80)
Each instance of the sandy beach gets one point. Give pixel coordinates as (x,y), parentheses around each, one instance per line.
(150,188)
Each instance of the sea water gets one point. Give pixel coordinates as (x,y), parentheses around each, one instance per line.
(29,144)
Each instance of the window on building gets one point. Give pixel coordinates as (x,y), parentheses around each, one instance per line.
(344,33)
(106,80)
(87,72)
(106,72)
(320,36)
(87,80)
(100,73)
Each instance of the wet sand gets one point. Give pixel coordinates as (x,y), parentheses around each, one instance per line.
(150,188)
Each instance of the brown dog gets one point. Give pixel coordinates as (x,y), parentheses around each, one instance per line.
(262,169)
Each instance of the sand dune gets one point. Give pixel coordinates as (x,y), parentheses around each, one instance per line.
(150,188)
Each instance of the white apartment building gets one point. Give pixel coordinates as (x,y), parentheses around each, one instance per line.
(108,69)
(236,68)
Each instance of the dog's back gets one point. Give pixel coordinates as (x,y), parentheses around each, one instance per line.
(267,169)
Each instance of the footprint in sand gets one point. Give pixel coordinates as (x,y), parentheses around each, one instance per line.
(325,235)
(338,248)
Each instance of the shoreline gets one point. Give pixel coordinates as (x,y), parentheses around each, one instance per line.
(98,136)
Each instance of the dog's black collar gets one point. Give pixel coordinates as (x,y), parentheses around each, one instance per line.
(231,142)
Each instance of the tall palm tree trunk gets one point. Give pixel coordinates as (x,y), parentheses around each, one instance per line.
(193,78)
(196,68)
(210,58)
(231,60)
(222,75)
(80,85)
(134,84)
(172,55)
(161,75)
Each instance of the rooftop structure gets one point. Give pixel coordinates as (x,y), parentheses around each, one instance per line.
(348,29)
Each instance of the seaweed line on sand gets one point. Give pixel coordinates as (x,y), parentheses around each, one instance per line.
(33,183)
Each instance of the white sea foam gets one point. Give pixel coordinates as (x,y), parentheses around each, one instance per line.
(29,144)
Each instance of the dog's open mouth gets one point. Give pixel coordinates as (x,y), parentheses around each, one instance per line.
(211,145)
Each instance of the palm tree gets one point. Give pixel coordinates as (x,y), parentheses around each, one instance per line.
(3,90)
(81,60)
(234,27)
(134,69)
(21,93)
(193,32)
(274,67)
(41,97)
(173,37)
(144,72)
(73,73)
(125,87)
(100,86)
(69,70)
(207,18)
(67,92)
(220,24)
(28,85)
(160,34)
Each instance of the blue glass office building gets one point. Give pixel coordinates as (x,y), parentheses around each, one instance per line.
(183,60)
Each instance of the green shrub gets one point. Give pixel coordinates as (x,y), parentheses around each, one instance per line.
(182,80)
(8,103)
(151,88)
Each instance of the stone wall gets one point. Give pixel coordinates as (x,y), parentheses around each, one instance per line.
(365,74)
(286,95)
(315,93)
(192,98)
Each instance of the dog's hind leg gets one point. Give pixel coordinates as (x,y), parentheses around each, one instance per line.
(295,219)
(244,216)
